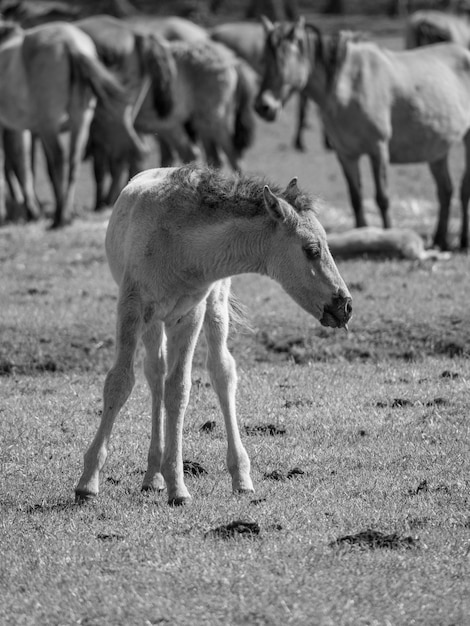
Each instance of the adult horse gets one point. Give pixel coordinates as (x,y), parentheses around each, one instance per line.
(246,39)
(175,237)
(394,107)
(147,71)
(428,27)
(51,80)
(213,94)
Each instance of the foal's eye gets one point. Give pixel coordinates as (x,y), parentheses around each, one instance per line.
(312,252)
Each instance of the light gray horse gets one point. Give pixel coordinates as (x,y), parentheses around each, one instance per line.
(394,107)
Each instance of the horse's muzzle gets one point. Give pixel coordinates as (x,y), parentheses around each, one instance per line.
(266,107)
(338,313)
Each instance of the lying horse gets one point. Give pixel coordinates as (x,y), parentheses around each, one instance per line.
(175,237)
(51,79)
(395,107)
(428,27)
(246,39)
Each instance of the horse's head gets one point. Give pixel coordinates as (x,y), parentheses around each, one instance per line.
(300,260)
(286,65)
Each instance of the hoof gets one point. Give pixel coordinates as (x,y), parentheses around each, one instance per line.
(179,501)
(151,489)
(82,497)
(240,492)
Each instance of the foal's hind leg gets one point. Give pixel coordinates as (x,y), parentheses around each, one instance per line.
(465,194)
(117,388)
(440,171)
(222,371)
(155,368)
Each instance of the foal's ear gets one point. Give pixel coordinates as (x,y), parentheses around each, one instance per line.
(278,209)
(267,24)
(292,186)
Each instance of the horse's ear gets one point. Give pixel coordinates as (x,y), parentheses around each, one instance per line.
(278,209)
(292,185)
(296,29)
(267,24)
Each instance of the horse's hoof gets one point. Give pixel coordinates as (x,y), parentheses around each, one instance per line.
(181,501)
(151,489)
(83,497)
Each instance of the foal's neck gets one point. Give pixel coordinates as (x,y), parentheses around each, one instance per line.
(237,246)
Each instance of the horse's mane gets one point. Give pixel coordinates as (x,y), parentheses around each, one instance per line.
(330,50)
(7,29)
(239,195)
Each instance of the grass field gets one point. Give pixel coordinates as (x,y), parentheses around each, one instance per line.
(372,527)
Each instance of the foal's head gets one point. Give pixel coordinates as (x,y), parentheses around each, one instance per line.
(300,260)
(286,65)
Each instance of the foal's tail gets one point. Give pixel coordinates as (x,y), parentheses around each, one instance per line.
(157,61)
(89,71)
(244,130)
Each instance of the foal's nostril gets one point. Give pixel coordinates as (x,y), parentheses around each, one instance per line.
(348,307)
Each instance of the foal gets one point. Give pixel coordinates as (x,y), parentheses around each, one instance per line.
(175,237)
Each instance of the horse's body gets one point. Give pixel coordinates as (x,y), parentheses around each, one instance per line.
(394,107)
(246,39)
(173,28)
(428,27)
(175,237)
(51,79)
(212,91)
(147,71)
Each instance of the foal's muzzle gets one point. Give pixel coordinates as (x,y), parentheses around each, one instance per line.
(338,313)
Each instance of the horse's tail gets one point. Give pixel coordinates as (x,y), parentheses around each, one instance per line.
(244,129)
(156,60)
(88,70)
(424,33)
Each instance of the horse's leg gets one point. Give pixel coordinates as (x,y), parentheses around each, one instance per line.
(223,374)
(155,369)
(440,171)
(299,143)
(379,162)
(181,342)
(178,139)
(3,206)
(167,155)
(211,151)
(353,178)
(80,127)
(119,172)
(117,388)
(465,194)
(55,166)
(20,144)
(100,171)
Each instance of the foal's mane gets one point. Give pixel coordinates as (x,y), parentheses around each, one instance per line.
(235,195)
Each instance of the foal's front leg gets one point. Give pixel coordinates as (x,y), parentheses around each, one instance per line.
(181,342)
(117,388)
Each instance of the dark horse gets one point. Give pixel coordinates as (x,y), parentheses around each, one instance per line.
(394,107)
